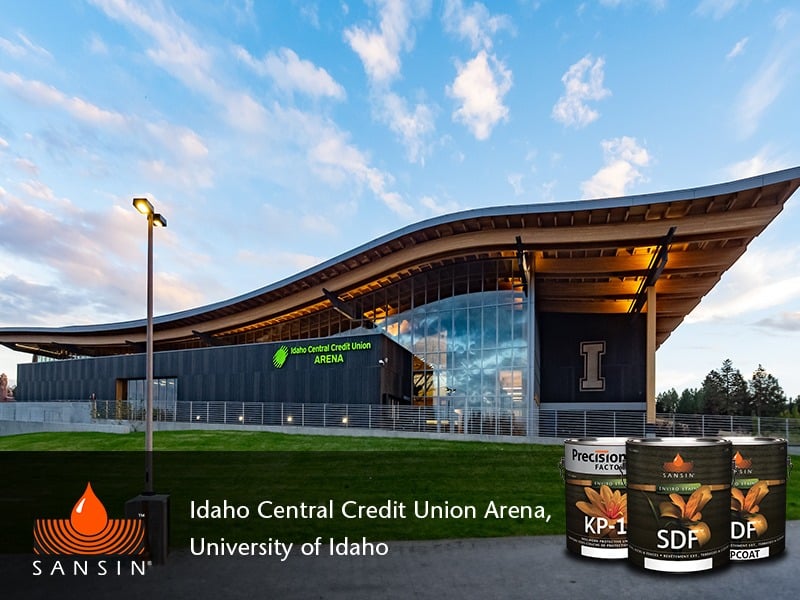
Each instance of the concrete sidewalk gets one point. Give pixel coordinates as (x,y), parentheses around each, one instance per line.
(508,568)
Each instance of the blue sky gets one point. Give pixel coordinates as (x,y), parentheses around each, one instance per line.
(276,135)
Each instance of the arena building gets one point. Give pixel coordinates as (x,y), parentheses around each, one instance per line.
(513,309)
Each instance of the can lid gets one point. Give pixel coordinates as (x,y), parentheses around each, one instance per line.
(755,440)
(680,441)
(598,441)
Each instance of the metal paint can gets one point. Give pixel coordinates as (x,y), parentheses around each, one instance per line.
(596,510)
(758,497)
(679,503)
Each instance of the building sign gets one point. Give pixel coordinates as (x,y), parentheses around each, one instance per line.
(592,380)
(330,353)
(594,359)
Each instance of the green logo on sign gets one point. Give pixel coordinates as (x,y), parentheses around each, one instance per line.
(280,356)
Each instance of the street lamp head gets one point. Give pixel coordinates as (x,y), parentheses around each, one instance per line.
(143,206)
(159,220)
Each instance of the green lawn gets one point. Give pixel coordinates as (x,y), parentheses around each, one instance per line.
(246,468)
(225,441)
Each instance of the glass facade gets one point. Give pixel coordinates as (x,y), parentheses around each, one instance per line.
(468,328)
(472,348)
(165,394)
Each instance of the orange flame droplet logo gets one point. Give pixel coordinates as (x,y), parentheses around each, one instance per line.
(741,462)
(89,516)
(678,465)
(89,531)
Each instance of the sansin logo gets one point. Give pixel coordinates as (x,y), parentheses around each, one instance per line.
(678,465)
(280,356)
(741,462)
(89,532)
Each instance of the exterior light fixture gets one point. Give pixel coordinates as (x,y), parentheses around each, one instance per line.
(144,206)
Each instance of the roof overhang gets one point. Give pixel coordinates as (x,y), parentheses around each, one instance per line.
(587,256)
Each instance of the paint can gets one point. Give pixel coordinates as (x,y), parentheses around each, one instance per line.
(758,497)
(594,475)
(679,503)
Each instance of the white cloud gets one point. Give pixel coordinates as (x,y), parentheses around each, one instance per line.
(179,55)
(27,48)
(515,181)
(43,94)
(759,280)
(583,81)
(293,74)
(782,19)
(182,141)
(187,176)
(379,50)
(96,45)
(759,94)
(186,147)
(284,263)
(762,162)
(318,224)
(547,190)
(738,48)
(38,190)
(480,87)
(3,144)
(310,12)
(435,206)
(656,4)
(474,23)
(336,161)
(623,157)
(413,127)
(326,149)
(782,323)
(243,12)
(12,49)
(93,271)
(718,8)
(27,165)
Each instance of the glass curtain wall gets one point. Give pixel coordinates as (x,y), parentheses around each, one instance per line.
(467,326)
(165,395)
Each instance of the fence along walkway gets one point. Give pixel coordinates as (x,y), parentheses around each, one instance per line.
(467,421)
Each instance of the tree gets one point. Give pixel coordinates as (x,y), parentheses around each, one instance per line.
(667,401)
(691,402)
(725,391)
(792,410)
(766,397)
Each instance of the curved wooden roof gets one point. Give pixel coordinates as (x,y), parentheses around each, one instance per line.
(587,256)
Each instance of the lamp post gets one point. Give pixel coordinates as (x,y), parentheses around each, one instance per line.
(144,206)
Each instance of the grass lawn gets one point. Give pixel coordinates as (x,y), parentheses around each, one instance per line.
(247,468)
(225,441)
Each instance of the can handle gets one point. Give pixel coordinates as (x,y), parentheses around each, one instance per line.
(623,470)
(562,469)
(789,466)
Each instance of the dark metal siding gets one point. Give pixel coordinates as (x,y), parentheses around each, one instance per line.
(235,374)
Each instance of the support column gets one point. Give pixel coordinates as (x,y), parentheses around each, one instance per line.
(532,388)
(650,359)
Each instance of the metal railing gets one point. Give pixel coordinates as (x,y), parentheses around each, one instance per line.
(366,416)
(452,419)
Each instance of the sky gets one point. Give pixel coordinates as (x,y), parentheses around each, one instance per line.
(276,135)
